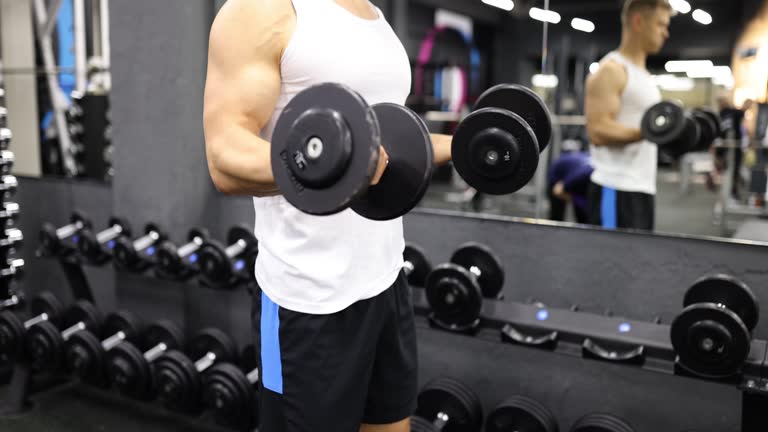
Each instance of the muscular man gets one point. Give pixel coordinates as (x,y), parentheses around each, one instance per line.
(623,184)
(333,319)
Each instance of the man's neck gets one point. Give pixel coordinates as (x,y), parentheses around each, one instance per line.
(633,52)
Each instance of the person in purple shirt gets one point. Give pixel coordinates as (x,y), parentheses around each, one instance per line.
(568,182)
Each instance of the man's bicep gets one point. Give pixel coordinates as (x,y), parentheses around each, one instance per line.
(603,95)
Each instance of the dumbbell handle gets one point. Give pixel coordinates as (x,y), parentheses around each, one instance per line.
(441,420)
(68,230)
(10,302)
(109,234)
(113,341)
(253,376)
(155,352)
(236,249)
(35,320)
(475,271)
(205,362)
(190,247)
(408,267)
(142,243)
(66,334)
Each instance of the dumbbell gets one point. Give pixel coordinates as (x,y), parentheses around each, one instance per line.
(13,269)
(709,126)
(6,161)
(12,301)
(131,371)
(85,353)
(5,137)
(712,335)
(98,248)
(230,392)
(180,262)
(179,379)
(44,343)
(496,148)
(416,266)
(139,254)
(63,240)
(43,307)
(9,214)
(8,186)
(325,150)
(455,290)
(445,404)
(11,239)
(668,125)
(599,422)
(521,414)
(222,266)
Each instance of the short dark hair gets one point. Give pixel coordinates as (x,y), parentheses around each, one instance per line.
(632,7)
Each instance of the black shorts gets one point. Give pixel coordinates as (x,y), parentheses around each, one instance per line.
(611,208)
(335,372)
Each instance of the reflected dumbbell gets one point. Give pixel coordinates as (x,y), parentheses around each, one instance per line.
(181,262)
(44,344)
(230,392)
(179,378)
(43,307)
(5,137)
(131,371)
(224,266)
(8,186)
(63,240)
(138,255)
(12,270)
(9,214)
(7,160)
(455,290)
(13,300)
(599,422)
(416,266)
(445,404)
(98,248)
(85,353)
(521,414)
(10,241)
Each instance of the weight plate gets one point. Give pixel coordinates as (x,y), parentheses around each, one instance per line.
(153,228)
(419,266)
(364,138)
(715,119)
(89,246)
(523,102)
(168,259)
(240,232)
(406,140)
(710,340)
(85,312)
(84,356)
(495,151)
(47,303)
(419,424)
(452,399)
(521,414)
(123,223)
(728,291)
(598,422)
(124,253)
(453,295)
(663,123)
(11,333)
(43,346)
(213,261)
(122,321)
(212,340)
(689,140)
(228,393)
(129,372)
(707,128)
(78,216)
(165,332)
(482,258)
(178,382)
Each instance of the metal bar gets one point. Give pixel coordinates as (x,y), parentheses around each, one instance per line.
(96,27)
(81,55)
(50,22)
(106,47)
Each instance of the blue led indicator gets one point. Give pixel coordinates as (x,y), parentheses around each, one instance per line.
(111,244)
(75,239)
(151,250)
(542,315)
(624,328)
(239,265)
(193,258)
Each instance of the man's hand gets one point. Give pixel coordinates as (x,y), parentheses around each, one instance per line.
(559,192)
(383,162)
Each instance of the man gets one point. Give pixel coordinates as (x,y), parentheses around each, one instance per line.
(333,317)
(568,183)
(623,184)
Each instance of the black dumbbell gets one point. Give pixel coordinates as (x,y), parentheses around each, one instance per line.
(599,422)
(43,307)
(416,266)
(672,128)
(98,248)
(44,343)
(230,392)
(496,148)
(521,414)
(447,405)
(5,137)
(63,240)
(131,371)
(222,266)
(11,240)
(12,270)
(8,186)
(7,160)
(139,254)
(13,300)
(712,335)
(455,290)
(85,352)
(709,128)
(9,214)
(325,150)
(179,379)
(181,262)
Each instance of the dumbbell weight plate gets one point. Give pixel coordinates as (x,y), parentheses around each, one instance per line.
(129,372)
(49,304)
(663,123)
(728,291)
(178,383)
(84,356)
(212,340)
(239,232)
(421,265)
(11,332)
(323,179)
(453,295)
(714,118)
(521,414)
(601,423)
(419,424)
(448,396)
(482,257)
(227,391)
(707,128)
(690,138)
(406,140)
(523,102)
(214,264)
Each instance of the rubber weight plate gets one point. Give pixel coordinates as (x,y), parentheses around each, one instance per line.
(241,232)
(11,332)
(43,346)
(129,372)
(419,424)
(165,332)
(168,259)
(482,258)
(419,266)
(84,356)
(453,295)
(495,151)
(663,123)
(406,140)
(214,263)
(227,392)
(454,399)
(47,303)
(523,102)
(325,149)
(710,340)
(212,340)
(601,423)
(727,291)
(689,140)
(715,119)
(707,129)
(521,414)
(178,382)
(122,321)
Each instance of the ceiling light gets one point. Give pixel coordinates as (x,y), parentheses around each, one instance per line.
(545,81)
(594,67)
(674,83)
(544,15)
(681,6)
(507,5)
(677,66)
(583,25)
(702,17)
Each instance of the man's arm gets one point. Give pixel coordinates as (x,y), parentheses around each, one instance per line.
(602,105)
(241,90)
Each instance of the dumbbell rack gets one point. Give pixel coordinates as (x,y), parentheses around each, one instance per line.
(10,268)
(636,344)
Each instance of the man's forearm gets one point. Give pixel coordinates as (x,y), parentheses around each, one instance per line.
(442,148)
(239,164)
(613,134)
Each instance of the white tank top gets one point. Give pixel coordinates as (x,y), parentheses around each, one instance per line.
(323,264)
(630,168)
